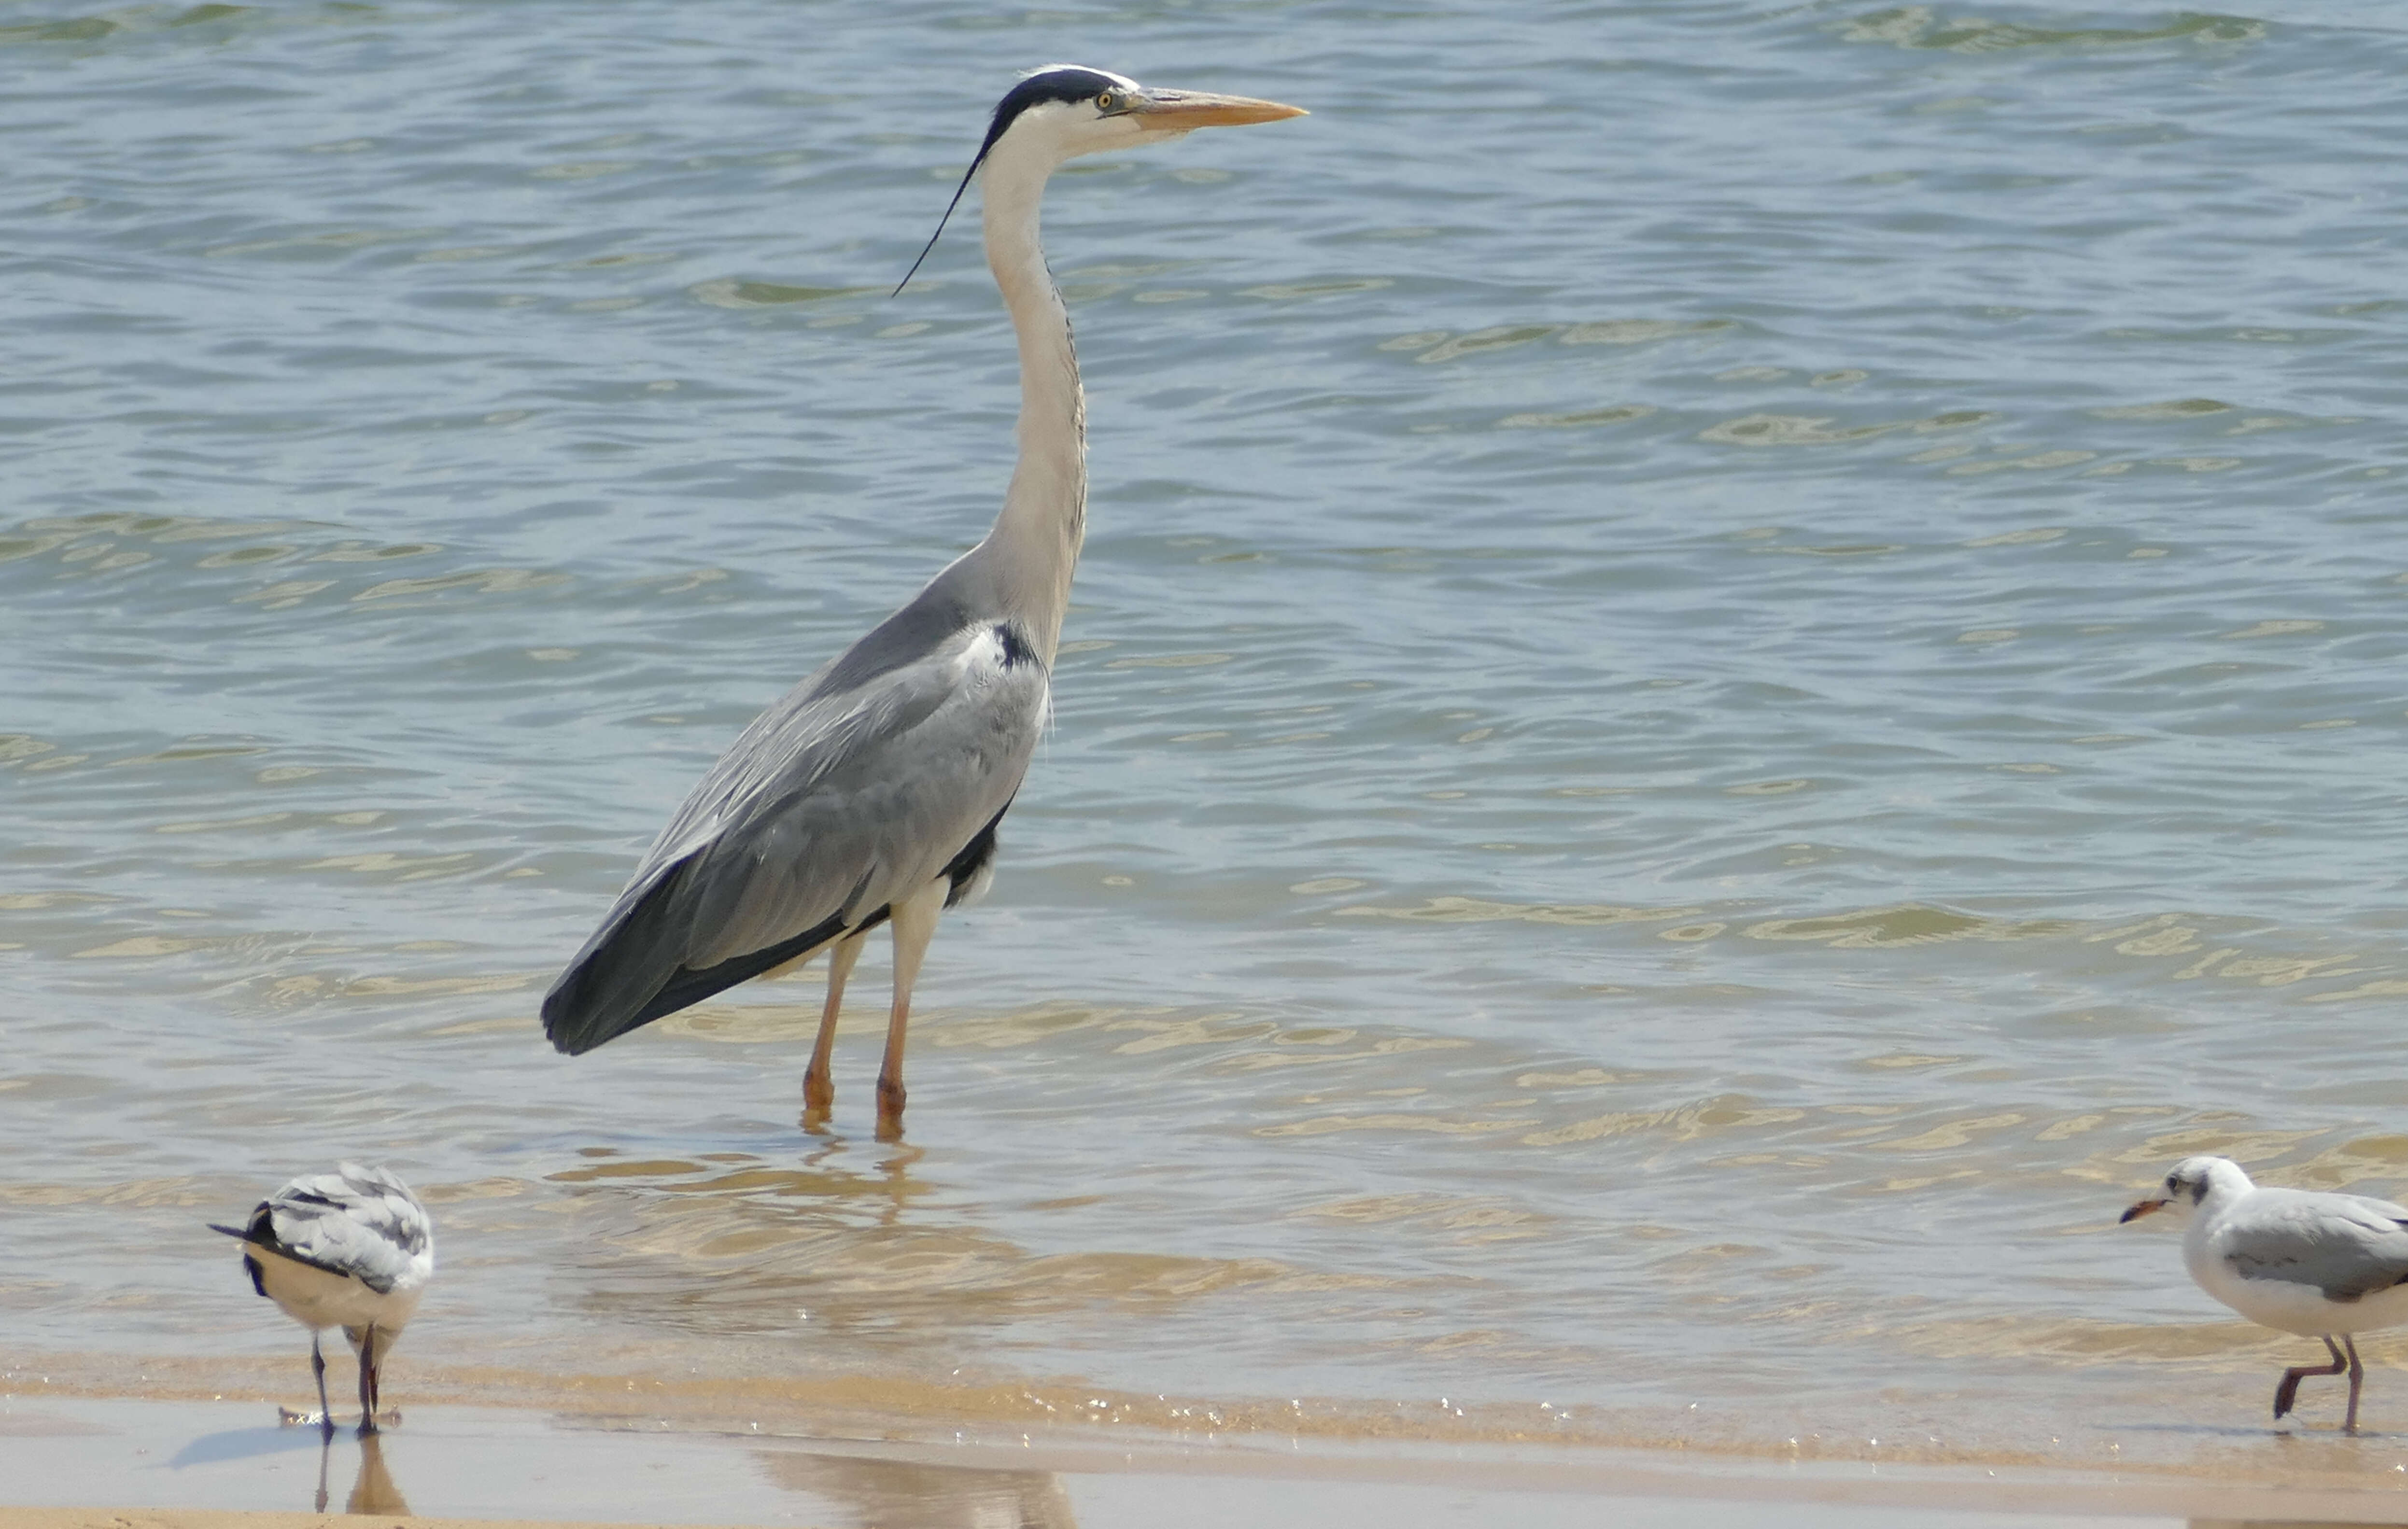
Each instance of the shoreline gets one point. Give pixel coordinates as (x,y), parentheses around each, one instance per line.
(226,1465)
(1069,1413)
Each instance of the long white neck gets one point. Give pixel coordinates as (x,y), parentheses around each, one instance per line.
(1034,547)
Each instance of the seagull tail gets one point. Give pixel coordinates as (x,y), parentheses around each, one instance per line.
(260,1227)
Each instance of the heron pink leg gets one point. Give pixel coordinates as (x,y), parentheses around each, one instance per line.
(2288,1391)
(818,1082)
(915,923)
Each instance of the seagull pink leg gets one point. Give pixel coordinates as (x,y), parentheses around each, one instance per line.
(2357,1376)
(326,1409)
(2288,1391)
(368,1381)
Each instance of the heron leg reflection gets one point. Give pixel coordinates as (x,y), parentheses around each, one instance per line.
(819,1083)
(915,923)
(2288,1391)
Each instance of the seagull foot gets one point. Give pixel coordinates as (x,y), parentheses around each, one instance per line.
(290,1417)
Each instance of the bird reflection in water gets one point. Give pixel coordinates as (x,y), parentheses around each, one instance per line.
(892,1183)
(926,1496)
(372,1490)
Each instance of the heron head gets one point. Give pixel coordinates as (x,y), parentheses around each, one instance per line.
(2192,1180)
(1063,110)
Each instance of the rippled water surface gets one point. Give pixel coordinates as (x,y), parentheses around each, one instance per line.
(1735,663)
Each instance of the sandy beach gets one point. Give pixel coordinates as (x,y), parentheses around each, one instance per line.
(679,1456)
(103,1518)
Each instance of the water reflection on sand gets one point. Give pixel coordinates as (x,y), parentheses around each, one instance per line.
(935,1496)
(373,1489)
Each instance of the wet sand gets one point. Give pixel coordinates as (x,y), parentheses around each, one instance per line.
(111,1463)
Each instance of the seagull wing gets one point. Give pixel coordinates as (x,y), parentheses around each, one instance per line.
(2346,1245)
(358,1222)
(870,779)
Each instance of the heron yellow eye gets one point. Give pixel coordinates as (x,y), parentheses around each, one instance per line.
(1104,102)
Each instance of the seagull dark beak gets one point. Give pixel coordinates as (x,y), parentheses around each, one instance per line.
(1176,111)
(2142,1209)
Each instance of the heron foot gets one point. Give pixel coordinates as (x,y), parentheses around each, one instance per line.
(819,1099)
(890,1109)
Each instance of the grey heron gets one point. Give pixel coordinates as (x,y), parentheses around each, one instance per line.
(352,1248)
(2299,1261)
(870,794)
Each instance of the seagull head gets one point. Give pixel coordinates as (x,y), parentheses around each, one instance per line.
(2187,1187)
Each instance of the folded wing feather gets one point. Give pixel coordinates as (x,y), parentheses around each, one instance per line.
(359,1221)
(2346,1245)
(858,787)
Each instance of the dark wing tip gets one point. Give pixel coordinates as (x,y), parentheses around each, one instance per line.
(572,1027)
(612,985)
(259,1228)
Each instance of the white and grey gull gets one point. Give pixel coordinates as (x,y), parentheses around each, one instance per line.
(352,1248)
(2320,1265)
(871,793)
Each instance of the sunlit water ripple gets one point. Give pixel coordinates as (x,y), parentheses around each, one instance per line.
(1734,664)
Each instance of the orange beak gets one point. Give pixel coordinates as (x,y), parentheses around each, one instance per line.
(1179,110)
(2139,1210)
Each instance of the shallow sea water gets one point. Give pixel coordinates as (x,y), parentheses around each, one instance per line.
(1736,665)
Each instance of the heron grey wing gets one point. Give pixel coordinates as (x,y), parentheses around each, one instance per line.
(2345,1244)
(836,801)
(875,803)
(360,1221)
(808,724)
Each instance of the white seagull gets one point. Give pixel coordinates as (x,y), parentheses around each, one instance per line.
(350,1248)
(2321,1265)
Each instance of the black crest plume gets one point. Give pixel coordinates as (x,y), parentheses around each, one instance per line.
(1064,83)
